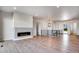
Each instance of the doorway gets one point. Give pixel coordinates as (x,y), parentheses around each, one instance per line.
(65,31)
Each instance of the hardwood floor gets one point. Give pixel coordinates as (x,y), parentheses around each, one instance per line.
(43,44)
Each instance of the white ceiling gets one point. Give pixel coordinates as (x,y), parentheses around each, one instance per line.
(44,11)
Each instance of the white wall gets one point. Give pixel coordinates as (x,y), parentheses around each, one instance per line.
(1,26)
(8,26)
(34,27)
(77,29)
(22,20)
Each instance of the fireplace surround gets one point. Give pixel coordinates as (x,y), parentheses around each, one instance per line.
(23,32)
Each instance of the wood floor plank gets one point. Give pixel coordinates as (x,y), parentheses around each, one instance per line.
(43,44)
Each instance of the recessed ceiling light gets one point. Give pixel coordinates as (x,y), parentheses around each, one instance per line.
(57,6)
(14,8)
(65,16)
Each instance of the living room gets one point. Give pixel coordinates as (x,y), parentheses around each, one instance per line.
(49,28)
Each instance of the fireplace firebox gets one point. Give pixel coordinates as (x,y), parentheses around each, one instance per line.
(23,34)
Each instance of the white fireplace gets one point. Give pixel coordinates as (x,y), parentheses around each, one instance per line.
(23,33)
(14,23)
